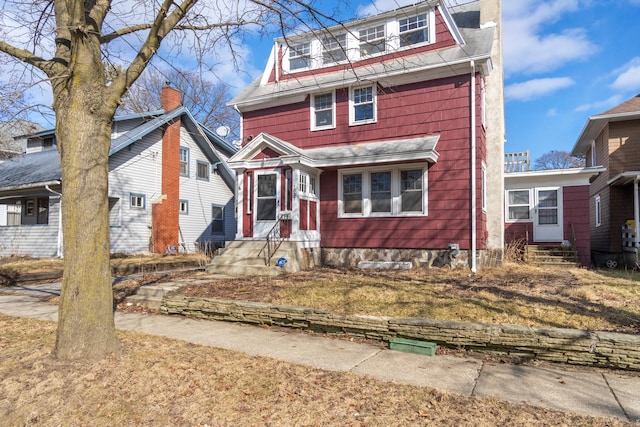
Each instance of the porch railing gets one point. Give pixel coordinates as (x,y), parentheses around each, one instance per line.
(517,162)
(275,238)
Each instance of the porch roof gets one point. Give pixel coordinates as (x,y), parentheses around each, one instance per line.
(624,178)
(392,151)
(28,170)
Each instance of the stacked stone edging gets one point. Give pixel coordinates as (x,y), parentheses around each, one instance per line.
(576,347)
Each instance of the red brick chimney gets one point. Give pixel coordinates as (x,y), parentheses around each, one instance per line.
(165,222)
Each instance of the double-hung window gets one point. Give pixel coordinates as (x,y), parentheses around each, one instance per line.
(393,191)
(323,111)
(300,56)
(217,219)
(518,205)
(203,170)
(598,211)
(414,29)
(334,48)
(184,161)
(363,105)
(372,41)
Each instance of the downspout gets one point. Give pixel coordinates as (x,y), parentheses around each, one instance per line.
(60,249)
(473,169)
(636,214)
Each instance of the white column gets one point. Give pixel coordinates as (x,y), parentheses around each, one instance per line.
(239,205)
(295,203)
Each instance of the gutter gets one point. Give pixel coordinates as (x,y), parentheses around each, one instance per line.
(473,168)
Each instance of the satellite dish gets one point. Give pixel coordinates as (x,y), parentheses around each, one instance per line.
(223,131)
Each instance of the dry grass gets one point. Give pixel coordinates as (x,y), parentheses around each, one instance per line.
(512,294)
(158,381)
(23,265)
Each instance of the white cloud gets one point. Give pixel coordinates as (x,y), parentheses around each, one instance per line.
(528,49)
(536,88)
(628,76)
(610,102)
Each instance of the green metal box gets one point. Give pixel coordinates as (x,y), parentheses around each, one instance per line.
(413,346)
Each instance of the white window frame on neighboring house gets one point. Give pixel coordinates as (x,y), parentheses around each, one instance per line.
(416,24)
(183,207)
(184,161)
(202,167)
(217,219)
(518,204)
(322,108)
(137,201)
(357,101)
(483,191)
(381,191)
(598,207)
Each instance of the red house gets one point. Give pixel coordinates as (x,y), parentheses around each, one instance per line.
(379,140)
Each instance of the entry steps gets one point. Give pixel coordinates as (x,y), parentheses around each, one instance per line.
(244,258)
(552,256)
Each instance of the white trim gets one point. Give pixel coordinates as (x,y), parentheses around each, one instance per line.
(507,205)
(598,209)
(396,193)
(374,103)
(312,107)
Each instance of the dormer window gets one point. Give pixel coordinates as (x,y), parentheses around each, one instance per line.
(372,41)
(414,29)
(334,48)
(300,56)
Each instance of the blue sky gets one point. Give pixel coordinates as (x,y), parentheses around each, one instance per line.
(564,60)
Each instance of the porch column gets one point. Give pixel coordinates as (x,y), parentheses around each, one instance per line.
(636,213)
(295,203)
(239,204)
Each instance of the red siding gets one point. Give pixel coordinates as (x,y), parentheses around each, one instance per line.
(576,211)
(313,215)
(443,39)
(304,215)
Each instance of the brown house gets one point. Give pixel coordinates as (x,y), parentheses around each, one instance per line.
(612,140)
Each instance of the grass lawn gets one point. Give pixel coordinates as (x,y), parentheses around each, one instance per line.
(160,382)
(512,294)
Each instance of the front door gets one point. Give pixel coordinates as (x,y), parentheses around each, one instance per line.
(267,202)
(548,215)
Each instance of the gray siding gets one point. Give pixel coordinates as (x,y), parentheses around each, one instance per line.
(40,241)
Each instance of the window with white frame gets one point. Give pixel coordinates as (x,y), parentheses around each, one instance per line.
(183,207)
(363,105)
(334,48)
(184,161)
(598,212)
(323,111)
(414,29)
(217,219)
(203,170)
(307,184)
(518,205)
(372,41)
(137,201)
(114,212)
(382,192)
(300,56)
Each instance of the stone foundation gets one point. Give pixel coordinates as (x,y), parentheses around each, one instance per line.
(425,258)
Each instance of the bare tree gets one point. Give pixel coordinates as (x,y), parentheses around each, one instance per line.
(91,52)
(557,160)
(205,99)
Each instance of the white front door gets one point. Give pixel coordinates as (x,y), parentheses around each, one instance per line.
(547,215)
(267,202)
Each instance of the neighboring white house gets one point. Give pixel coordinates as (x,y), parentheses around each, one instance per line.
(169,188)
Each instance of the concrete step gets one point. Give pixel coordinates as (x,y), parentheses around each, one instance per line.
(150,296)
(238,260)
(244,270)
(145,301)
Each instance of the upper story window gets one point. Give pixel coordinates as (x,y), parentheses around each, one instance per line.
(323,111)
(300,56)
(137,201)
(372,41)
(184,161)
(334,48)
(203,170)
(363,105)
(414,29)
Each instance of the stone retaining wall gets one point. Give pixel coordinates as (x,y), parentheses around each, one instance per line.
(602,349)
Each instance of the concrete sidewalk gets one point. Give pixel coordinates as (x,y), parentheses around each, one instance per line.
(589,392)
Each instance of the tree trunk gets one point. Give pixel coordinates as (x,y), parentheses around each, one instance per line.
(86,328)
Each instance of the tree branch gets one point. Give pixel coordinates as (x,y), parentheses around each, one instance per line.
(27,57)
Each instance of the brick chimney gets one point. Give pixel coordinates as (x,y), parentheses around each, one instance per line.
(165,215)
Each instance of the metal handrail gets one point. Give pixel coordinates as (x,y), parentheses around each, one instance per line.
(274,240)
